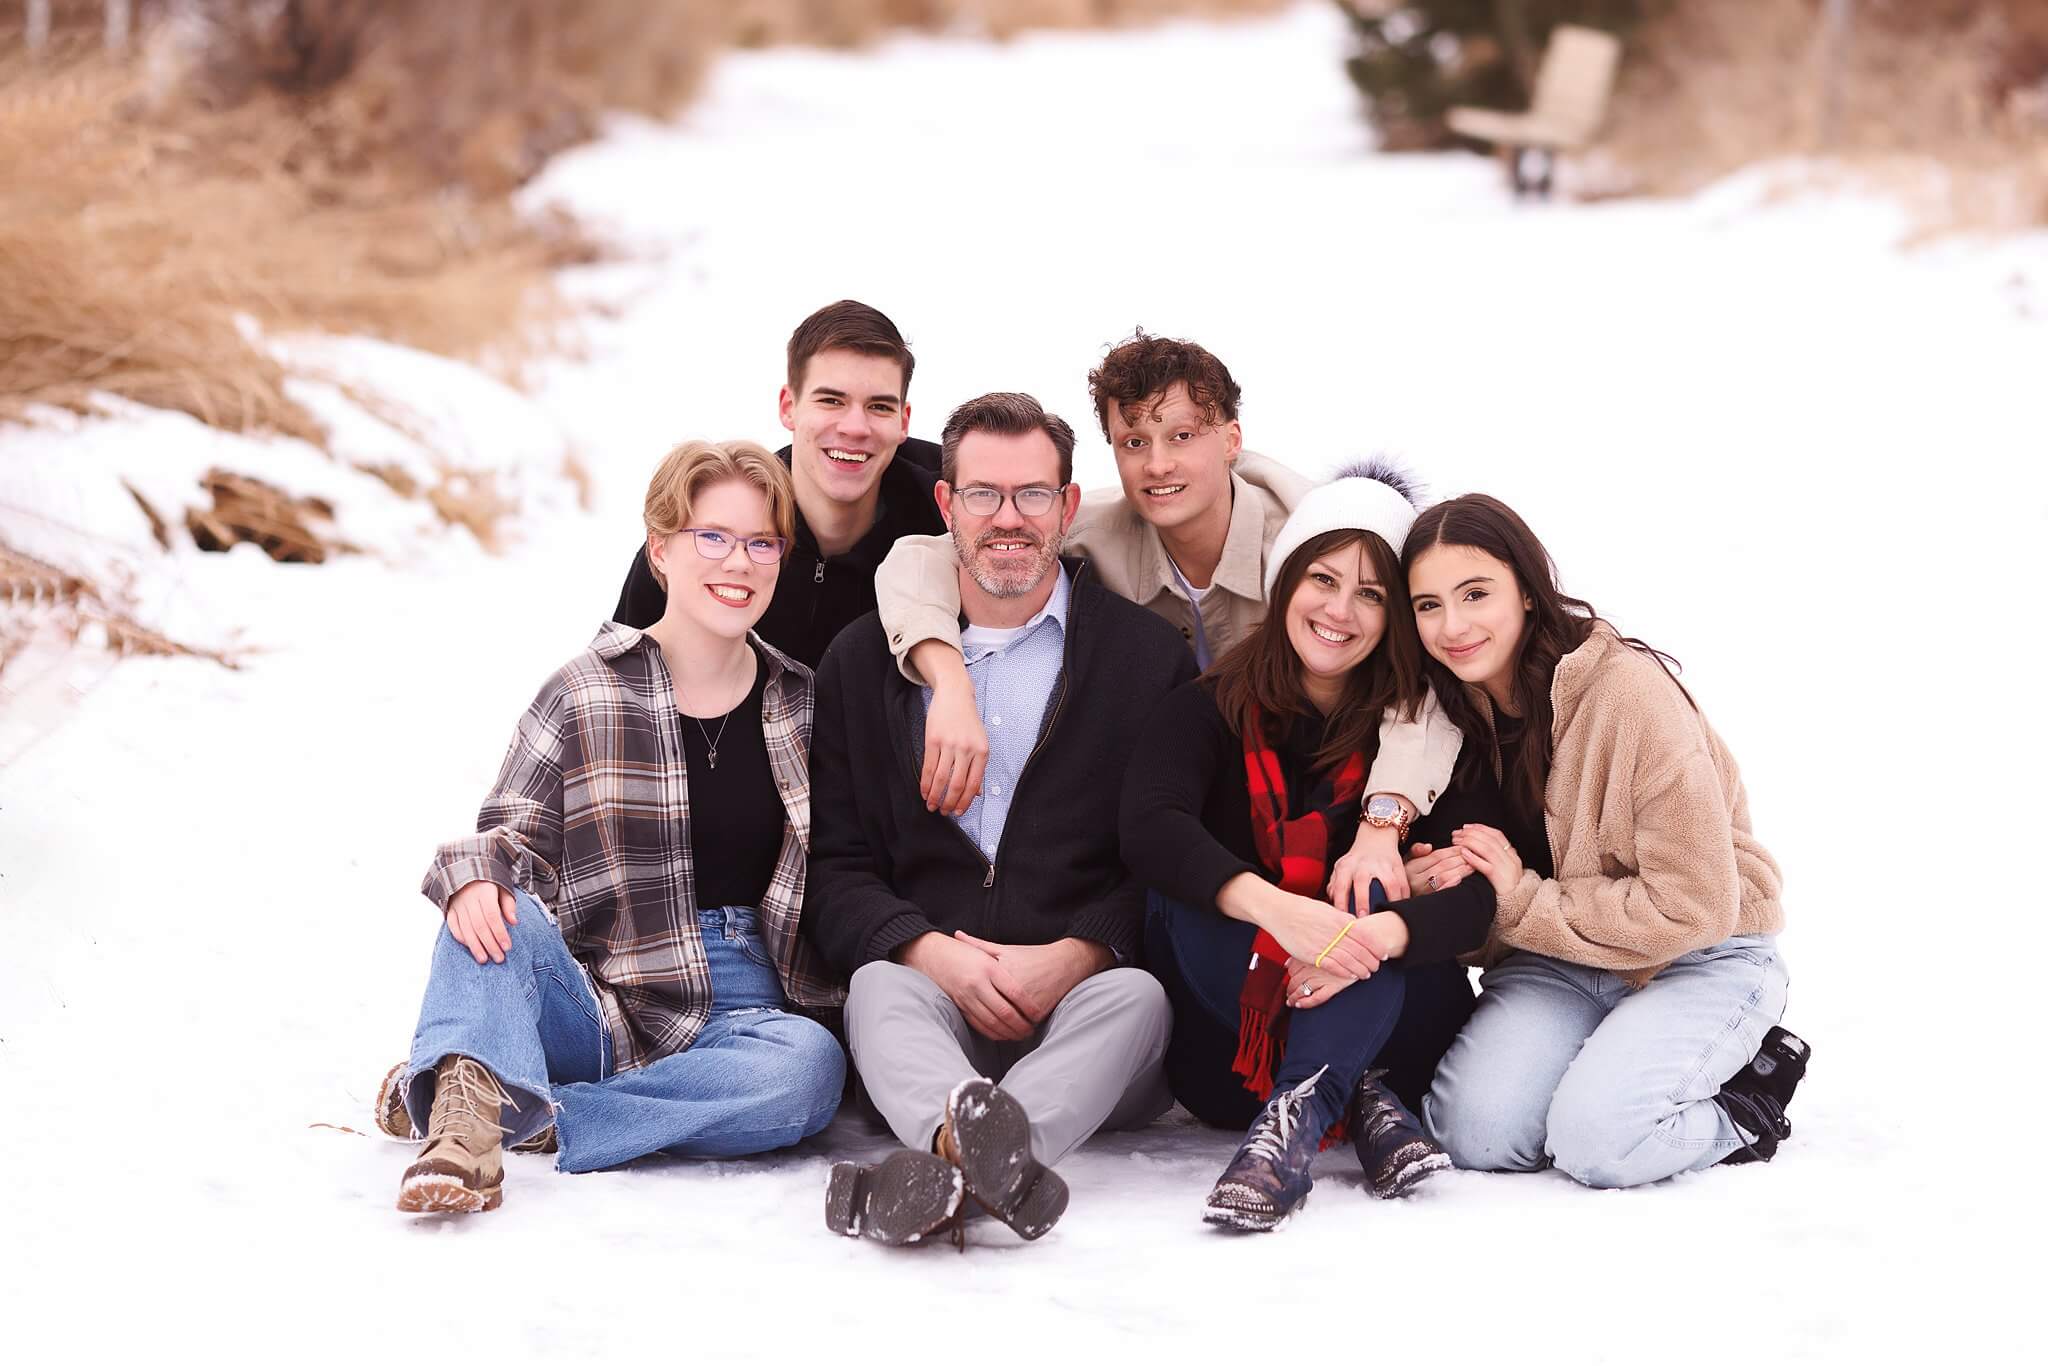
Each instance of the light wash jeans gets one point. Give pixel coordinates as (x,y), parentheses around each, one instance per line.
(756,1078)
(1564,1065)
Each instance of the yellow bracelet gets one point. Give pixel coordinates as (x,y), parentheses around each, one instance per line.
(1334,942)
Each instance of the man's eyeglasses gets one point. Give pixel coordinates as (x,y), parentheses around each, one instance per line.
(1033,500)
(716,545)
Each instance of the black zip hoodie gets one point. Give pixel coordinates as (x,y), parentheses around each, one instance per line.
(816,596)
(884,870)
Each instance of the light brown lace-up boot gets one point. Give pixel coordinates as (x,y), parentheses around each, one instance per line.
(462,1168)
(393,1120)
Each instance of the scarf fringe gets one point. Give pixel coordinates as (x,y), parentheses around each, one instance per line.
(1254,1061)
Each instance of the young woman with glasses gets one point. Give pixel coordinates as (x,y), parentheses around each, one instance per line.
(620,953)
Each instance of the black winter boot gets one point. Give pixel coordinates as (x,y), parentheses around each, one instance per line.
(1755,1097)
(1392,1147)
(1268,1178)
(987,1135)
(900,1200)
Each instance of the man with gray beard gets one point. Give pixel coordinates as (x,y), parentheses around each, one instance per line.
(997,943)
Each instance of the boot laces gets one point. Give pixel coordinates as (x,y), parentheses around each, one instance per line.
(465,1091)
(1275,1128)
(1381,1118)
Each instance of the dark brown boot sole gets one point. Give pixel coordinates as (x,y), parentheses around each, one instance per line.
(905,1197)
(390,1107)
(435,1187)
(991,1135)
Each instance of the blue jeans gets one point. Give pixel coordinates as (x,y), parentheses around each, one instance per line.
(1565,1065)
(755,1079)
(1400,1018)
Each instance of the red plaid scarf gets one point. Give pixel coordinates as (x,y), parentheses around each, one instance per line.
(1297,852)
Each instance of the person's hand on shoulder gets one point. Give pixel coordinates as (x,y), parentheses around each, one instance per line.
(955,742)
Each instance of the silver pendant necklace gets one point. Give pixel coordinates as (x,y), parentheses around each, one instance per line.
(710,743)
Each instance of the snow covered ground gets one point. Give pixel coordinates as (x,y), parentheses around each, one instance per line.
(1754,429)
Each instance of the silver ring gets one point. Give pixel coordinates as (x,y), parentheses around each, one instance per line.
(1432,882)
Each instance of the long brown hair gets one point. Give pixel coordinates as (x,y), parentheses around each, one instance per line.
(1554,626)
(1261,674)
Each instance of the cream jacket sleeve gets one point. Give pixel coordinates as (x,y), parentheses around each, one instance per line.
(917,594)
(1663,822)
(1416,757)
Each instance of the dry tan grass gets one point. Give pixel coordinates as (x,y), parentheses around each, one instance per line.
(354,182)
(840,23)
(1944,100)
(342,166)
(339,166)
(35,595)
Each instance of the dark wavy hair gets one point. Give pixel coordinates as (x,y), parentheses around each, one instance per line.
(1555,625)
(1262,672)
(1138,372)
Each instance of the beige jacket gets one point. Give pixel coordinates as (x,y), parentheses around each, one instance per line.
(917,591)
(1648,824)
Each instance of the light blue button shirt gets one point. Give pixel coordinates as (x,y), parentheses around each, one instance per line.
(1014,673)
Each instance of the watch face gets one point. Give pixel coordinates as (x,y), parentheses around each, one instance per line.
(1383,808)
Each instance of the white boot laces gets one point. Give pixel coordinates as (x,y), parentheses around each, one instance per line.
(1276,1126)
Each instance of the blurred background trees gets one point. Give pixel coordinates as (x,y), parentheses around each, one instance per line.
(1413,62)
(1711,85)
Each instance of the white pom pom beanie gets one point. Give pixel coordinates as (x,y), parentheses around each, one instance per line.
(1371,496)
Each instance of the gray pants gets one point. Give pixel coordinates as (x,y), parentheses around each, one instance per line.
(1094,1064)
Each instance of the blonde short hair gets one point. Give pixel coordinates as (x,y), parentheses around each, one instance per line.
(694,466)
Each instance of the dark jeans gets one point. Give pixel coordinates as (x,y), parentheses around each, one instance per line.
(1400,1018)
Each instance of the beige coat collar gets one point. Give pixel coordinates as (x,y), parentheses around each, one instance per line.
(1241,570)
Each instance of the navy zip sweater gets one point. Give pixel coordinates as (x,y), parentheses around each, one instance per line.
(884,870)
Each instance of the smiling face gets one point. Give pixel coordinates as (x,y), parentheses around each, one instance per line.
(1175,466)
(1007,554)
(845,422)
(1471,613)
(1336,616)
(723,596)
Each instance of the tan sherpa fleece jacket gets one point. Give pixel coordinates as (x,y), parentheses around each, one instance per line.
(1648,824)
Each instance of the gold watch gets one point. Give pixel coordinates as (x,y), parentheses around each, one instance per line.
(1386,812)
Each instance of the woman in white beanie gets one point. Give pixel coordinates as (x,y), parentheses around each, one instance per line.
(1251,783)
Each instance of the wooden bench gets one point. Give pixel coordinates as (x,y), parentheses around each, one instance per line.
(1572,86)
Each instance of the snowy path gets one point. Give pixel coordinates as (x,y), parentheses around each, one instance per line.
(1757,433)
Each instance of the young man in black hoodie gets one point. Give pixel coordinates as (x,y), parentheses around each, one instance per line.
(996,943)
(860,481)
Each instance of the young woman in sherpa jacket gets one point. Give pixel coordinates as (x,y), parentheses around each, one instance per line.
(1253,776)
(1627,1022)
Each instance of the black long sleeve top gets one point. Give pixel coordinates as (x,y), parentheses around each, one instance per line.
(736,814)
(1186,820)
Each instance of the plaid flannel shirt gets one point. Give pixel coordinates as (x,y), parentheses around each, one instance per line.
(590,815)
